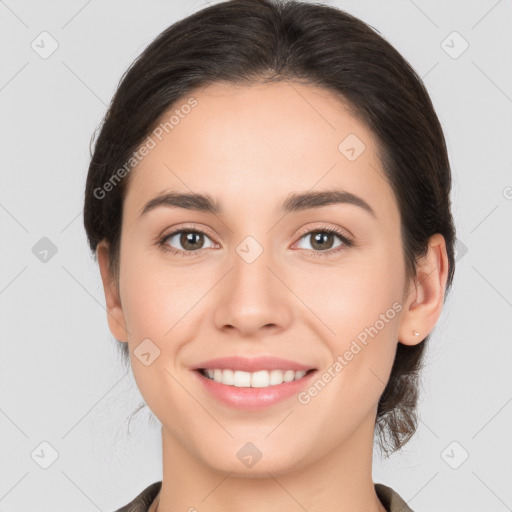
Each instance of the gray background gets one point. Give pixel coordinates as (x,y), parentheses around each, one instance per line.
(61,379)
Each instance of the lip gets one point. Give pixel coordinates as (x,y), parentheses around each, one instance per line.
(254,364)
(253,399)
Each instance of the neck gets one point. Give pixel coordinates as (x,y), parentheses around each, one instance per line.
(339,481)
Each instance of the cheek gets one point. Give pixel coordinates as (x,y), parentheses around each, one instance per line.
(351,296)
(161,303)
(357,306)
(155,308)
(360,320)
(155,295)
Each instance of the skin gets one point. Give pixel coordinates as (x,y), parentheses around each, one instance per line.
(250,147)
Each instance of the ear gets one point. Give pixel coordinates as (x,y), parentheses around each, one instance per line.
(115,316)
(425,298)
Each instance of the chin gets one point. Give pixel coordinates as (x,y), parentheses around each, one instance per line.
(249,462)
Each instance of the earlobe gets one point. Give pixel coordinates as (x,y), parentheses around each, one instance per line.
(115,315)
(424,301)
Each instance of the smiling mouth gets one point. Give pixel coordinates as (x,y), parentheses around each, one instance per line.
(259,379)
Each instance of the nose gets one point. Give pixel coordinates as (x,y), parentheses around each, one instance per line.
(253,298)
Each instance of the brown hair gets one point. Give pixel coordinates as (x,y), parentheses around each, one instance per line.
(259,41)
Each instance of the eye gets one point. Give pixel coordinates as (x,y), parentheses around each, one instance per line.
(323,239)
(189,240)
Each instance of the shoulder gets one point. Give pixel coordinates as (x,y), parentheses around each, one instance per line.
(391,499)
(143,500)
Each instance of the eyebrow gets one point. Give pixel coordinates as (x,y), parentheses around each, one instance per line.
(293,203)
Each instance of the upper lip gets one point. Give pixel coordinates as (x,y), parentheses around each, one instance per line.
(253,364)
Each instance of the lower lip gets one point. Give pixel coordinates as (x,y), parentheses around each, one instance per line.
(253,399)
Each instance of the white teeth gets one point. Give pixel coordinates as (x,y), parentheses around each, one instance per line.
(242,379)
(260,379)
(276,377)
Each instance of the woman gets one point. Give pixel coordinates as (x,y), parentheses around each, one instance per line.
(268,201)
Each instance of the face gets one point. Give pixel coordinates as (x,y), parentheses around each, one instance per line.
(319,281)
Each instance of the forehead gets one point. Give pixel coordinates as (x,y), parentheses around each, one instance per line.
(260,141)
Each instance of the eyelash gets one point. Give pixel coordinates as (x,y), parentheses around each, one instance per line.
(347,242)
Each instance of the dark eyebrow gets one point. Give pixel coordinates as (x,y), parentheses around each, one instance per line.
(199,202)
(293,203)
(306,200)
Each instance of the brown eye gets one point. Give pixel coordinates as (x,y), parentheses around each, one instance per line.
(323,239)
(322,242)
(186,240)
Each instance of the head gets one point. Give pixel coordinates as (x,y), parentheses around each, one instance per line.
(249,102)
